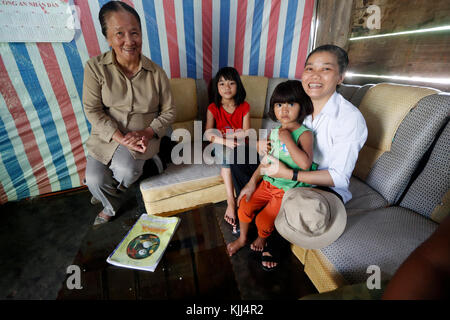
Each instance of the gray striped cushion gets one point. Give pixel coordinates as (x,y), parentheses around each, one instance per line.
(359,94)
(363,197)
(430,186)
(347,90)
(391,173)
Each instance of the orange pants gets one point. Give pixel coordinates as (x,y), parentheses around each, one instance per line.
(269,198)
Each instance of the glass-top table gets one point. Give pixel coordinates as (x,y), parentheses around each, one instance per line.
(194,266)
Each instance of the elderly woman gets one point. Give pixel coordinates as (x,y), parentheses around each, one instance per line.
(128,101)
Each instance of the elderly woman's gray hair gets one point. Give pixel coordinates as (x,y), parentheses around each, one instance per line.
(115,6)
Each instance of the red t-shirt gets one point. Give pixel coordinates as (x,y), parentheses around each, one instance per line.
(226,121)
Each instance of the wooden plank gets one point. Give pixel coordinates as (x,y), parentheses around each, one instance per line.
(399,16)
(216,283)
(333,19)
(419,54)
(416,55)
(91,284)
(195,264)
(119,283)
(180,277)
(152,285)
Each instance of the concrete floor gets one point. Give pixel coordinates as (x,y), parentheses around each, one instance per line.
(39,239)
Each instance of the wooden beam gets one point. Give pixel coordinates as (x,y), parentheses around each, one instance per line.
(333,19)
(420,54)
(397,16)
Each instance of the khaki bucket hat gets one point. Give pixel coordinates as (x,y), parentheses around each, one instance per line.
(311,218)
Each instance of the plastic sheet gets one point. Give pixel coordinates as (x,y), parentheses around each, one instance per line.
(42,124)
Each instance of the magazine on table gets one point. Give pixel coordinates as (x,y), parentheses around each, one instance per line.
(144,245)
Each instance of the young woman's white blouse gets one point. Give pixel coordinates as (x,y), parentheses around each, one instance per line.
(340,131)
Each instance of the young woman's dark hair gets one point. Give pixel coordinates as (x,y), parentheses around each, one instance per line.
(289,92)
(228,73)
(115,6)
(341,55)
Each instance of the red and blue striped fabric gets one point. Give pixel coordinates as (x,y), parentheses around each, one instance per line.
(42,125)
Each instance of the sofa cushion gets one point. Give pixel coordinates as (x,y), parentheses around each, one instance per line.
(190,170)
(429,194)
(392,172)
(347,90)
(383,237)
(384,107)
(359,94)
(179,180)
(363,197)
(187,182)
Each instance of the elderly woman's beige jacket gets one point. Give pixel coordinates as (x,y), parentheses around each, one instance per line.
(112,101)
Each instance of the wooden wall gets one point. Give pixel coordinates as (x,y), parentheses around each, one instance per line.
(333,18)
(422,54)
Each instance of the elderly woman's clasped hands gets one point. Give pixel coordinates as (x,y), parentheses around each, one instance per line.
(137,140)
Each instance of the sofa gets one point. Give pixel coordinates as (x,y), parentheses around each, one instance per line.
(188,185)
(400,185)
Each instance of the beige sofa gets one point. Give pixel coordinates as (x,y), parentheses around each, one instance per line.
(390,213)
(400,185)
(189,185)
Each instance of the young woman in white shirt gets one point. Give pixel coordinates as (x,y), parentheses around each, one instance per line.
(338,126)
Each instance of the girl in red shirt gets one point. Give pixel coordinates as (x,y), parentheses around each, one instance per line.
(230,115)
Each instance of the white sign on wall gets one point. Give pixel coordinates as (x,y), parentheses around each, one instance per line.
(36,21)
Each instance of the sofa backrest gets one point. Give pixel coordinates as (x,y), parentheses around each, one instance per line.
(256,89)
(354,93)
(402,122)
(348,90)
(191,97)
(184,93)
(429,194)
(384,107)
(359,94)
(202,99)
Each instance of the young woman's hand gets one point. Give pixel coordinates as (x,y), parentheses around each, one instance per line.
(264,147)
(274,168)
(247,191)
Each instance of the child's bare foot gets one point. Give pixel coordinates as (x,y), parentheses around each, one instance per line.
(258,244)
(234,246)
(230,213)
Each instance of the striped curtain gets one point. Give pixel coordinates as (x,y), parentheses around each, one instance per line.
(42,125)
